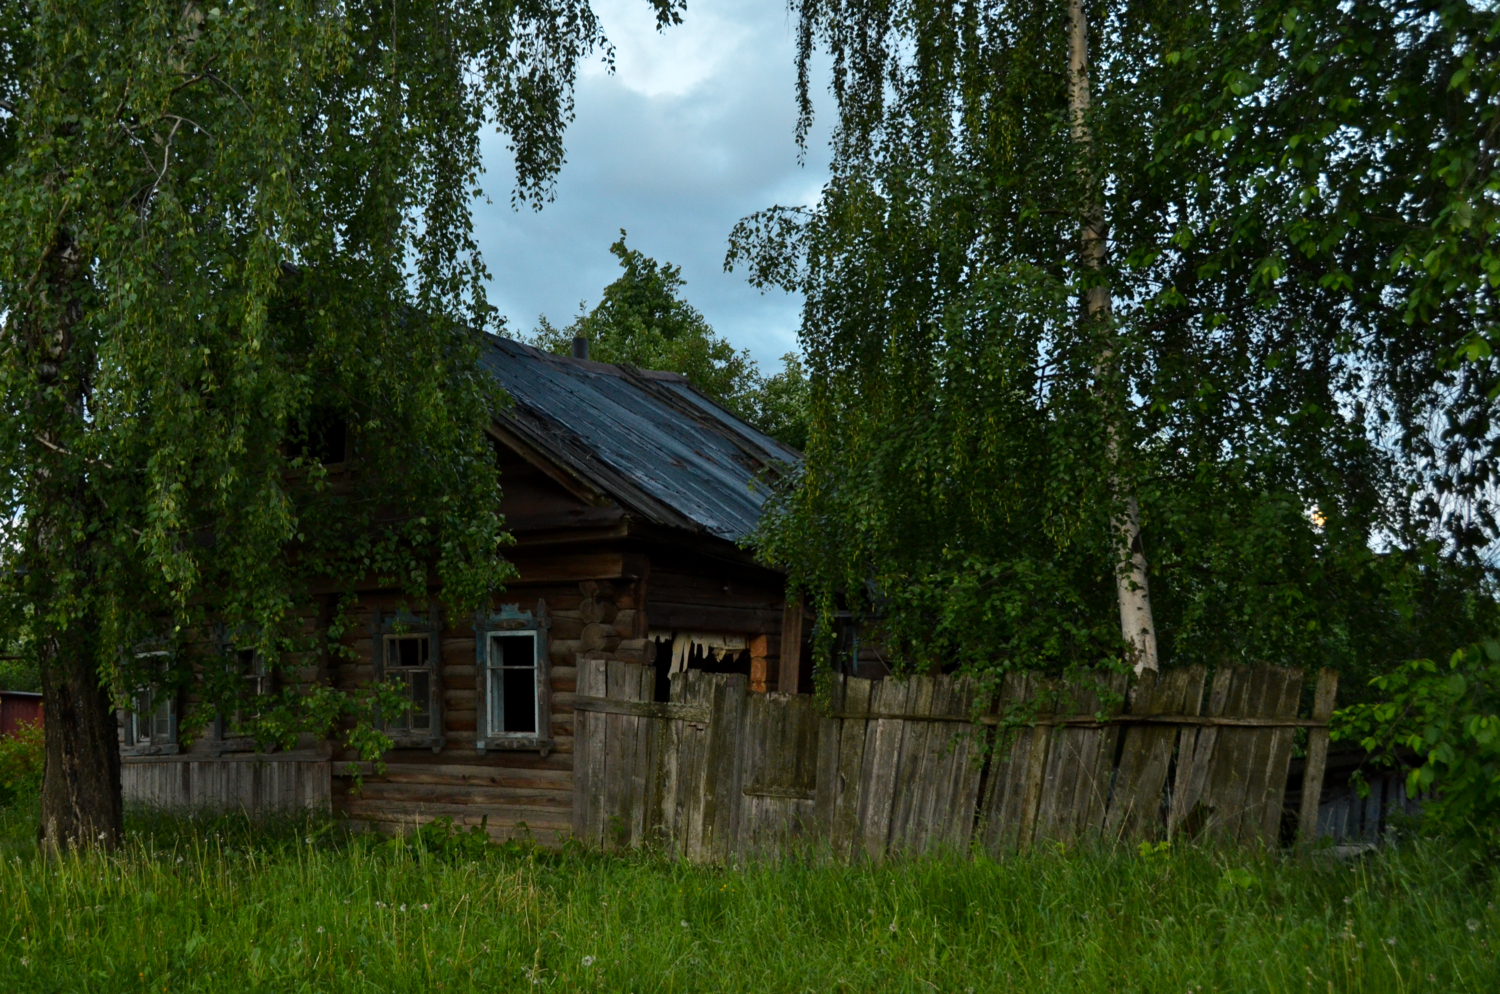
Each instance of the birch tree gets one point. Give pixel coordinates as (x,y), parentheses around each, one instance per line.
(1137,627)
(1093,279)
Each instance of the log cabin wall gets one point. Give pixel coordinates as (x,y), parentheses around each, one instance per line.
(697,593)
(511,792)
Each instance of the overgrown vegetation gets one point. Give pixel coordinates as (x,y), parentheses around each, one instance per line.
(1298,200)
(1447,716)
(21,760)
(212,906)
(18,672)
(241,299)
(642,319)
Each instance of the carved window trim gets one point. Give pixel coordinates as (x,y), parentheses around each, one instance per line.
(489,668)
(387,631)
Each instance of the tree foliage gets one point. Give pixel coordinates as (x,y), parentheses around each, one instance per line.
(1448,716)
(226,231)
(1299,199)
(642,319)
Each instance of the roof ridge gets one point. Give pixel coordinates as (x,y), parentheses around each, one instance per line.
(593,365)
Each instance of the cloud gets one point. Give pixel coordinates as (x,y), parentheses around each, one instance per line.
(692,132)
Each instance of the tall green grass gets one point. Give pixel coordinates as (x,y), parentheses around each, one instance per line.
(300,906)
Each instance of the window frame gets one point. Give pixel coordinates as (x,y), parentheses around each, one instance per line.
(227,735)
(511,620)
(384,630)
(133,743)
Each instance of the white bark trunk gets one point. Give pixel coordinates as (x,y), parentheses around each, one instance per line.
(1136,623)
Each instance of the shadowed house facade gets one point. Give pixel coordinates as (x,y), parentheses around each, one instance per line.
(628,493)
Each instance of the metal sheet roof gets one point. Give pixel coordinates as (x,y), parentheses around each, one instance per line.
(648,439)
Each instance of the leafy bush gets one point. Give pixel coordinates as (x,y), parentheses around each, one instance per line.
(444,839)
(21,756)
(1449,716)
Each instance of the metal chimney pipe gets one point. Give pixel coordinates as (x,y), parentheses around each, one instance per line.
(580,347)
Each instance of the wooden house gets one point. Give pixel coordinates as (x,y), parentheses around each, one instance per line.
(628,493)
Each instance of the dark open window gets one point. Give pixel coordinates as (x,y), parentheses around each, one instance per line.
(408,662)
(513,695)
(514,681)
(255,683)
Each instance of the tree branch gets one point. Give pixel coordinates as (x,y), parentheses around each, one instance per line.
(62,451)
(8,107)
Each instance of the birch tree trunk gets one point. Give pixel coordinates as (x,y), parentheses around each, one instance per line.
(1136,623)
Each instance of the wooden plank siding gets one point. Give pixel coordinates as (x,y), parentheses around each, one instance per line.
(258,787)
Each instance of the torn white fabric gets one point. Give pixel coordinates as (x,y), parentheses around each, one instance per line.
(715,645)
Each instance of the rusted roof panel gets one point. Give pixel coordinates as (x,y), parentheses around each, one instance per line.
(651,441)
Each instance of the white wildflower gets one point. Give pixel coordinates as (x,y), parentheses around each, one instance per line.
(684,924)
(1473,924)
(588,961)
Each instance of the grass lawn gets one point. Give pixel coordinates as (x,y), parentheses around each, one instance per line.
(209,906)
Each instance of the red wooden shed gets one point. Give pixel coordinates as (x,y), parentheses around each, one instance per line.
(17,706)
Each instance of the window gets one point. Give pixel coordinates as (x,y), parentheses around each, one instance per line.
(408,662)
(514,690)
(257,674)
(406,653)
(152,720)
(150,726)
(511,698)
(256,684)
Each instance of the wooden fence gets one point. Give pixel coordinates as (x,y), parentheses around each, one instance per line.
(924,764)
(256,786)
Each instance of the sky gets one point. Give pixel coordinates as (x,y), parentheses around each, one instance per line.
(693,131)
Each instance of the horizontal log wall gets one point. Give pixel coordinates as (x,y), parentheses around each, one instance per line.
(512,793)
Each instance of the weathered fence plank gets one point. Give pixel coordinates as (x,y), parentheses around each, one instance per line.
(1008,807)
(1146,755)
(255,785)
(588,764)
(1194,752)
(844,793)
(920,764)
(1317,756)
